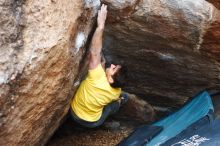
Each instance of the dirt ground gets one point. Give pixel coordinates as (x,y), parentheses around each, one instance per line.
(71,134)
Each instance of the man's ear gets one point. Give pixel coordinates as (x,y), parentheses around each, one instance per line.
(110,80)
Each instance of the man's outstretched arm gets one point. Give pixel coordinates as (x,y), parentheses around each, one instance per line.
(96,44)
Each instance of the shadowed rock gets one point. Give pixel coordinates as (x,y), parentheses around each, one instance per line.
(137,109)
(170,47)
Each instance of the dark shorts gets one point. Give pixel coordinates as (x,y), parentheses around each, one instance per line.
(108,110)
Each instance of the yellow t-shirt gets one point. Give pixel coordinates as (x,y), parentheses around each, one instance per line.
(93,94)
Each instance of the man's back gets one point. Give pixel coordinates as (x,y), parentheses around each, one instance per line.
(93,94)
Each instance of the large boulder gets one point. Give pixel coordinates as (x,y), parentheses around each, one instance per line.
(170,47)
(136,109)
(41,43)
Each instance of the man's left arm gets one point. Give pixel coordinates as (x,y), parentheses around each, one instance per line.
(96,44)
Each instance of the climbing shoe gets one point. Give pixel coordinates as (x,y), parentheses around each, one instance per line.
(123,98)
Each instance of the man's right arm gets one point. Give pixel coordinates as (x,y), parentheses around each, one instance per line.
(96,44)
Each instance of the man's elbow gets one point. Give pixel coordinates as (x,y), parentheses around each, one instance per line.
(94,53)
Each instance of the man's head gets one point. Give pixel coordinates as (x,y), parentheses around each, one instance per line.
(116,75)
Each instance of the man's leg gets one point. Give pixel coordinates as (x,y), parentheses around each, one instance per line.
(112,108)
(108,110)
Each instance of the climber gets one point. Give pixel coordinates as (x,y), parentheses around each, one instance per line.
(99,95)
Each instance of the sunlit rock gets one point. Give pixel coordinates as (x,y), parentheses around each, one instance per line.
(41,45)
(171,48)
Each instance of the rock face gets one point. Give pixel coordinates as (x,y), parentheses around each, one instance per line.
(136,109)
(42,43)
(170,47)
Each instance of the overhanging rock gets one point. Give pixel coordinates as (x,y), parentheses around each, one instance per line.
(170,47)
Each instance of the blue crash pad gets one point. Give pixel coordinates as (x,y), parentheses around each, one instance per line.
(172,125)
(204,132)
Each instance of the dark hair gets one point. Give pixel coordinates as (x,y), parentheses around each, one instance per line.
(119,78)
